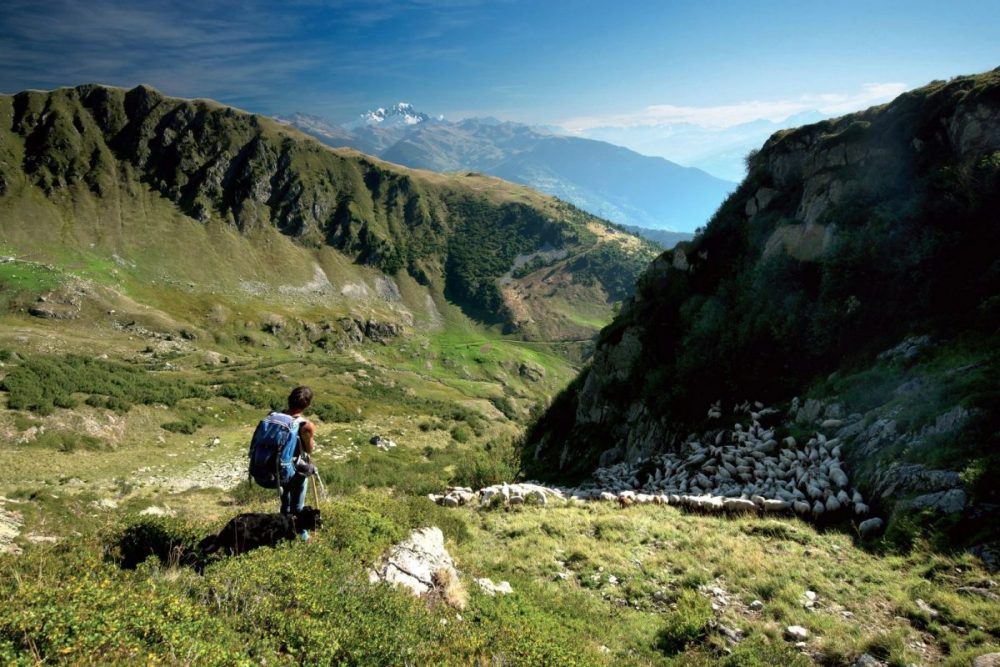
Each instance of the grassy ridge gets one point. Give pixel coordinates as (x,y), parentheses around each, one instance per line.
(187,186)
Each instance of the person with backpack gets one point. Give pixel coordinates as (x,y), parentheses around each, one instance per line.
(279,453)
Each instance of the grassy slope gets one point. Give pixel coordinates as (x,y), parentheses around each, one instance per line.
(241,611)
(655,610)
(189,186)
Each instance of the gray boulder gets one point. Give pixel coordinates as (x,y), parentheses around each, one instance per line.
(416,563)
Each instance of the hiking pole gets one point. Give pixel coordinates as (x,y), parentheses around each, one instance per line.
(318,482)
(322,487)
(315,491)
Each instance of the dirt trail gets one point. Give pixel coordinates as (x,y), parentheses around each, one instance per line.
(223,474)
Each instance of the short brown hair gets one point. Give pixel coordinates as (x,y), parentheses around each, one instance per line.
(300,398)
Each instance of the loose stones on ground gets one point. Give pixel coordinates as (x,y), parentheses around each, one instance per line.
(10,528)
(385,444)
(493,589)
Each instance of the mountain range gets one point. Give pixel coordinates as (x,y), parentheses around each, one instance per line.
(609,181)
(223,201)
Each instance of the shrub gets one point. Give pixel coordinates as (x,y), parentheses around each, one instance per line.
(119,405)
(461,433)
(41,383)
(497,462)
(330,412)
(188,426)
(685,625)
(255,396)
(171,541)
(505,405)
(406,471)
(757,651)
(67,441)
(248,492)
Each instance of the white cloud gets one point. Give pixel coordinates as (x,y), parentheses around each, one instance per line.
(727,115)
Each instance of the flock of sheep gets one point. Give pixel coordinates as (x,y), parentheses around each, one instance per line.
(745,468)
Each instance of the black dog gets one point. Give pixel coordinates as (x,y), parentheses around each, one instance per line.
(249,531)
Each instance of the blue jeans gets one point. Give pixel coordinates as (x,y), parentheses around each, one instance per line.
(293,497)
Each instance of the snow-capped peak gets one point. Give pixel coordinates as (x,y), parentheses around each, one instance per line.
(401,113)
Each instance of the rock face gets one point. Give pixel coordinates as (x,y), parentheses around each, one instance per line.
(794,275)
(417,563)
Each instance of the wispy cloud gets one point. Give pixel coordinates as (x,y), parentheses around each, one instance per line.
(171,46)
(254,54)
(727,115)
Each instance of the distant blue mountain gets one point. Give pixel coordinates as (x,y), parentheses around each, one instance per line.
(719,151)
(612,182)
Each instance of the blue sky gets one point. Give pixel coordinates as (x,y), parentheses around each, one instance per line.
(573,63)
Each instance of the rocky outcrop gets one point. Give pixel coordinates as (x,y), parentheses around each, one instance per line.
(493,589)
(420,563)
(62,304)
(839,255)
(530,372)
(381,332)
(354,331)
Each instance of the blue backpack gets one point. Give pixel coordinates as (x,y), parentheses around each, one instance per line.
(272,450)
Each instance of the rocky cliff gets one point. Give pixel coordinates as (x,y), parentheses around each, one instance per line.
(854,271)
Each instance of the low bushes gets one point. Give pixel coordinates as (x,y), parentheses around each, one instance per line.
(40,384)
(125,600)
(686,624)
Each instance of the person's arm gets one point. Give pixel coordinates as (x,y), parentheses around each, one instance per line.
(306,432)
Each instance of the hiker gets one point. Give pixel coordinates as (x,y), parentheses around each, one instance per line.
(279,453)
(293,493)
